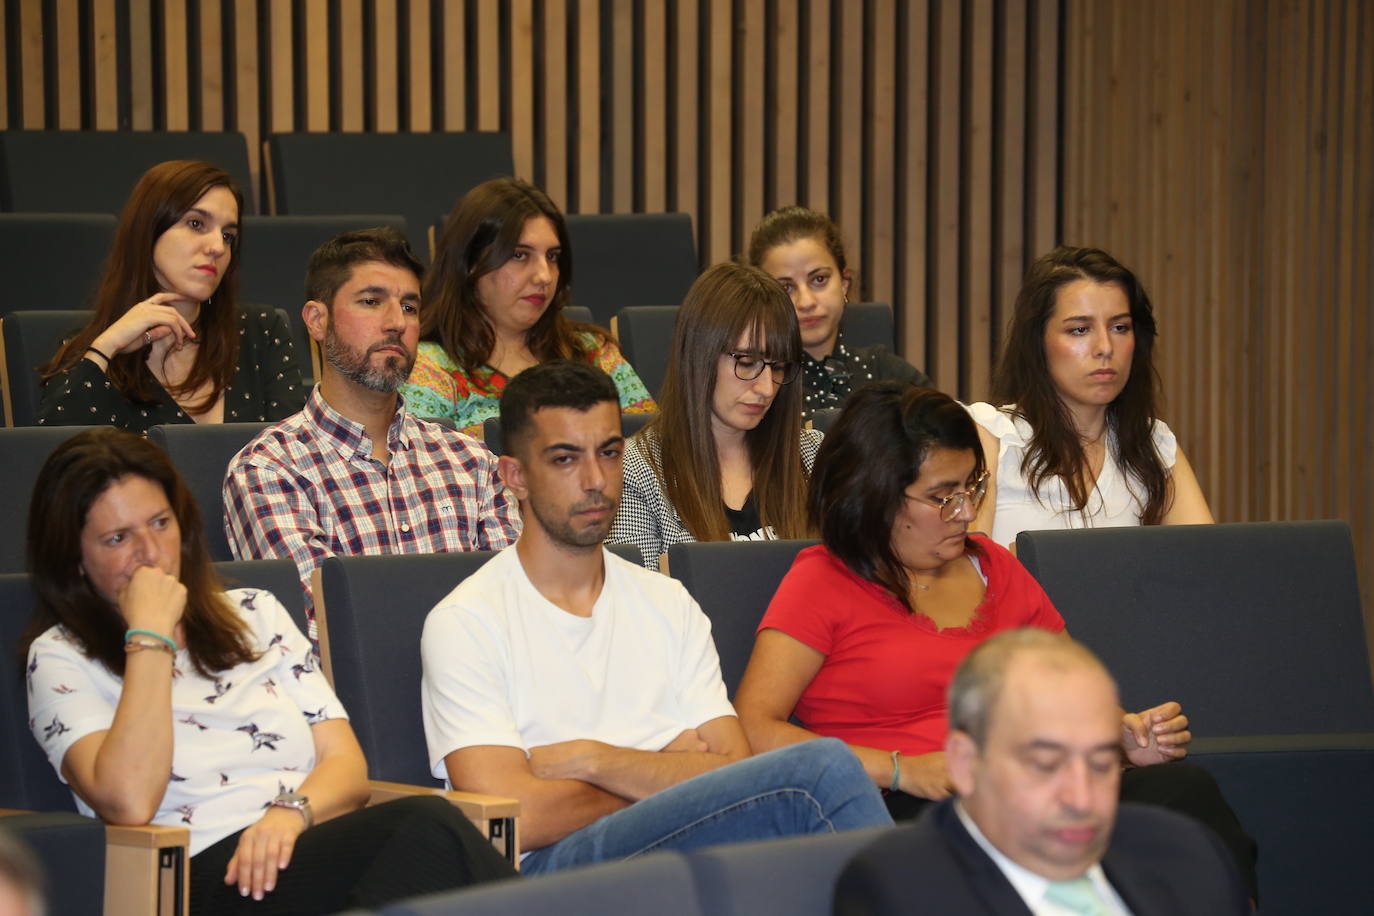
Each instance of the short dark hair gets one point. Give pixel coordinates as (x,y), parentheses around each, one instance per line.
(332,263)
(556,383)
(871,454)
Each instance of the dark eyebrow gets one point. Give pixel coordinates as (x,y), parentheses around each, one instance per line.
(564,447)
(208,215)
(613,440)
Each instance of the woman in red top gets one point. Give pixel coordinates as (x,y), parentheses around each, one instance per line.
(863,636)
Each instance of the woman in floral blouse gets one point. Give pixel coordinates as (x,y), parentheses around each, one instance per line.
(161,698)
(493,305)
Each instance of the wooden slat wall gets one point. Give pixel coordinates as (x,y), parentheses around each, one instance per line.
(927,128)
(1225,151)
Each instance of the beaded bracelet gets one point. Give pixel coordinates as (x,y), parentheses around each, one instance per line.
(896,772)
(171,646)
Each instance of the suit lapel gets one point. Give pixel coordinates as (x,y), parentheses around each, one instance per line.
(983,878)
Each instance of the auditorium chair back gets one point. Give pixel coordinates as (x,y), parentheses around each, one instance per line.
(371,613)
(54,260)
(93,171)
(201,453)
(28,339)
(625,259)
(733,581)
(406,173)
(645,333)
(1257,629)
(22,453)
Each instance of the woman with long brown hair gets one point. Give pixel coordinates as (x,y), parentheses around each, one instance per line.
(1078,442)
(493,306)
(726,457)
(161,698)
(168,342)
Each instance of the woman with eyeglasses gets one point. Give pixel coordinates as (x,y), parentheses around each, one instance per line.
(726,457)
(1077,442)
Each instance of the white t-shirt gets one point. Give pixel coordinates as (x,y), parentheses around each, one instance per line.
(505,666)
(239,739)
(1116,501)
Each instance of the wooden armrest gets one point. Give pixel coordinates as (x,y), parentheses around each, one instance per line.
(476,807)
(147,870)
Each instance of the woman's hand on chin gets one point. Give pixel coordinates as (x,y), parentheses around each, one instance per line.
(150,320)
(152,600)
(1155,735)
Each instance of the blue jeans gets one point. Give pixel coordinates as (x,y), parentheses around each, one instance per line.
(812,787)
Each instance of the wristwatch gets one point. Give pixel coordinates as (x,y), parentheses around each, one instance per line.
(299,802)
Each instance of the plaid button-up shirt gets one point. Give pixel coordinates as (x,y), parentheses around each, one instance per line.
(309,488)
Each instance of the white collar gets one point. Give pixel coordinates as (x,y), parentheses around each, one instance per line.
(1030,886)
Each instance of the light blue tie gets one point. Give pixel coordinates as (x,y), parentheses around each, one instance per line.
(1077,896)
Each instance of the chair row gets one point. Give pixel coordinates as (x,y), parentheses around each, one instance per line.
(622,260)
(1206,615)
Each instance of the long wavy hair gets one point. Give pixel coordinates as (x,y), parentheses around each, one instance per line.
(871,454)
(726,302)
(159,200)
(480,235)
(1023,379)
(72,479)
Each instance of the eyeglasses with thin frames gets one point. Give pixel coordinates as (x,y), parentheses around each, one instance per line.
(749,366)
(951,505)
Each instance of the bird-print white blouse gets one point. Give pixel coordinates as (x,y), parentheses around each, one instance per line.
(240,738)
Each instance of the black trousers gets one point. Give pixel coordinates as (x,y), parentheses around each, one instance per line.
(1179,786)
(367,858)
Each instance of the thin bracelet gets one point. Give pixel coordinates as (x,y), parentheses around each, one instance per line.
(896,772)
(136,645)
(170,645)
(100,354)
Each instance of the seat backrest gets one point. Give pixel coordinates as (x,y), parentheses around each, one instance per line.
(201,453)
(661,883)
(29,340)
(733,581)
(630,423)
(646,338)
(867,323)
(277,250)
(52,170)
(22,453)
(795,875)
(371,612)
(1255,628)
(54,260)
(280,577)
(27,780)
(580,313)
(625,259)
(406,173)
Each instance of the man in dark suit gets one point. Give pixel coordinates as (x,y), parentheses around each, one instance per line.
(1034,755)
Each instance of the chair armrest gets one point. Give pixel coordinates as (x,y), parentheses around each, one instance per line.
(147,870)
(495,816)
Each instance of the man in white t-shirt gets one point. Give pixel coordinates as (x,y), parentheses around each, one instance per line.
(1034,754)
(589,687)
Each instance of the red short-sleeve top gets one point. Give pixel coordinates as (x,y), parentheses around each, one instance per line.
(886,670)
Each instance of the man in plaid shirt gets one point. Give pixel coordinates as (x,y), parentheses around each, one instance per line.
(354,472)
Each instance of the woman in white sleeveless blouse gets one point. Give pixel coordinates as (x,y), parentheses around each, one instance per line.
(1077,442)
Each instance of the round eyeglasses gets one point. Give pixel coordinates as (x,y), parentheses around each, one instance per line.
(952,505)
(749,366)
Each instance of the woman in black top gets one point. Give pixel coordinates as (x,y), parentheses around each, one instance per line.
(168,342)
(802,250)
